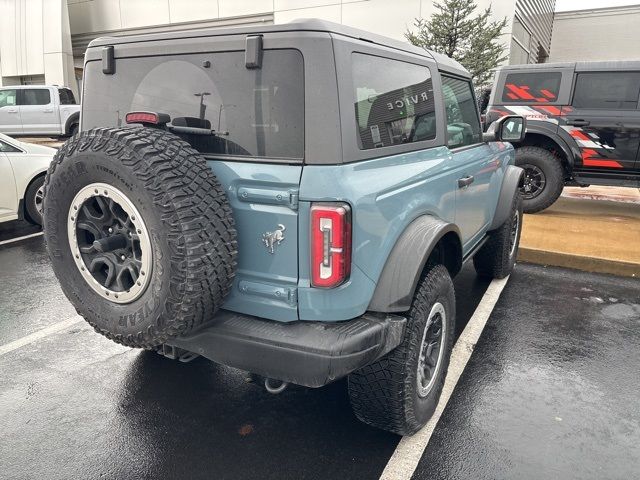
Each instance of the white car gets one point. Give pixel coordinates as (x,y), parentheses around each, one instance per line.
(22,170)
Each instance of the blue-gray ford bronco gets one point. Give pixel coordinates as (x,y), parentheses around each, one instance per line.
(290,200)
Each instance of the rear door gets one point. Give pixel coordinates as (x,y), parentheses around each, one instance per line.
(605,121)
(476,163)
(9,112)
(249,125)
(38,111)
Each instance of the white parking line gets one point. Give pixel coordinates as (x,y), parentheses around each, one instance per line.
(17,239)
(40,334)
(405,459)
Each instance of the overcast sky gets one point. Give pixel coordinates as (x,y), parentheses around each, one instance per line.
(563,5)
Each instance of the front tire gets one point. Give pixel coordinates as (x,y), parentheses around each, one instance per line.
(34,200)
(543,178)
(400,391)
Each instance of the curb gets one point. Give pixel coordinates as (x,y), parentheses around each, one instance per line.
(579,262)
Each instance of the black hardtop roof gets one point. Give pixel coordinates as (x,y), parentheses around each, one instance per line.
(301,25)
(620,65)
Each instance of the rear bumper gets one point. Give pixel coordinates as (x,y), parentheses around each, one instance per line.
(305,353)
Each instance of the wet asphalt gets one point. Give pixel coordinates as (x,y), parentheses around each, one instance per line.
(551,391)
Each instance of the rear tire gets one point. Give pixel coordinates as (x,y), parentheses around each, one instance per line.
(399,392)
(497,257)
(73,129)
(543,178)
(140,233)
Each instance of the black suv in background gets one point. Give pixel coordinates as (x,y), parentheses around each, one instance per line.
(583,125)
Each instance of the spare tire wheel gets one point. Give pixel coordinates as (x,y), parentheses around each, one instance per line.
(140,233)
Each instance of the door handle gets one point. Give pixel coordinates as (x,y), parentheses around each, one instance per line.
(465,181)
(12,111)
(48,110)
(578,123)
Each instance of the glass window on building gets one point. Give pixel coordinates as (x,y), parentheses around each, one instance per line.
(520,32)
(394,102)
(518,55)
(619,90)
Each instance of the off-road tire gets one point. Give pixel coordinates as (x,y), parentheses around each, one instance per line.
(32,215)
(551,166)
(385,393)
(191,230)
(497,258)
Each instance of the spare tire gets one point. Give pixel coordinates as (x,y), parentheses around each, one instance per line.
(140,233)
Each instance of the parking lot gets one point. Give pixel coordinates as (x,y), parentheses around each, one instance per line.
(550,391)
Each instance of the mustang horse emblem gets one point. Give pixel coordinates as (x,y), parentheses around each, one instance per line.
(273,239)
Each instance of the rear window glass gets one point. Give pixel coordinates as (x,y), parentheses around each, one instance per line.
(394,102)
(252,112)
(531,87)
(617,90)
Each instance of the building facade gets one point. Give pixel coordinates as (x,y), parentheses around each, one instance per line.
(527,37)
(35,43)
(597,34)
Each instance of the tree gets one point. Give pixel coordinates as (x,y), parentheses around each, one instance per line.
(471,40)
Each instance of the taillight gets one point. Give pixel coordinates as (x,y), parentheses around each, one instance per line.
(147,118)
(330,244)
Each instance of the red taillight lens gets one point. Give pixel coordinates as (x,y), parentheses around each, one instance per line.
(142,117)
(330,244)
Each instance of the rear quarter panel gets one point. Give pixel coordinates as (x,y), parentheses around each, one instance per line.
(385,195)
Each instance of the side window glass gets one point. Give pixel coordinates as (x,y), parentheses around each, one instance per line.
(36,96)
(463,122)
(394,102)
(613,90)
(531,87)
(7,98)
(6,148)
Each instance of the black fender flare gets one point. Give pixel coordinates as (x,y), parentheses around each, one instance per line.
(553,132)
(508,190)
(73,118)
(403,268)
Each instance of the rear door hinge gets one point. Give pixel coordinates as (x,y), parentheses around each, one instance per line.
(269,196)
(288,295)
(293,199)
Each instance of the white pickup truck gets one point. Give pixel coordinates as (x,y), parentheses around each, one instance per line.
(38,110)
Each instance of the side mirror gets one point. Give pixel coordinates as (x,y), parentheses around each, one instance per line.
(510,128)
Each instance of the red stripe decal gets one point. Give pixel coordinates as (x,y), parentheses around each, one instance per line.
(521,92)
(542,100)
(547,93)
(512,96)
(552,110)
(579,135)
(589,161)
